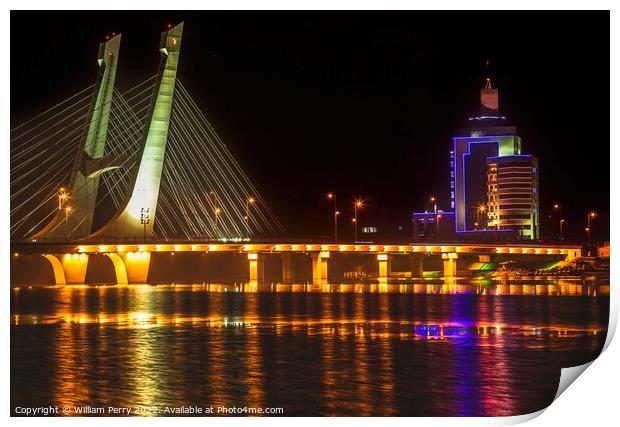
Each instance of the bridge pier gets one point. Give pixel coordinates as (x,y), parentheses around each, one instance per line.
(449,264)
(120,271)
(417,265)
(69,269)
(256,264)
(288,268)
(385,266)
(319,266)
(130,267)
(572,254)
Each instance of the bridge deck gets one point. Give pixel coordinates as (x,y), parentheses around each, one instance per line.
(304,247)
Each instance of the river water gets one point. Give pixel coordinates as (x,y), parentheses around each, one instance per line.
(470,347)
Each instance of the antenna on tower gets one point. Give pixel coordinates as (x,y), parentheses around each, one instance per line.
(489,97)
(487,71)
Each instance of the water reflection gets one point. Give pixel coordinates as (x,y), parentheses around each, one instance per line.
(453,348)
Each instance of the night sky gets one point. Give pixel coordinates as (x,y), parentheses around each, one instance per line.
(359,103)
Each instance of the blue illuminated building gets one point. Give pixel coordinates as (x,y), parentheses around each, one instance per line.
(493,186)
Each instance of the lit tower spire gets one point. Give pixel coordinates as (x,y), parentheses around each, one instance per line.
(74,217)
(489,96)
(487,84)
(136,217)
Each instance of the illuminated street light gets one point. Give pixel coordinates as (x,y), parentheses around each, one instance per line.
(481,209)
(558,207)
(68,210)
(434,202)
(250,201)
(217,212)
(145,219)
(332,196)
(591,216)
(359,203)
(62,197)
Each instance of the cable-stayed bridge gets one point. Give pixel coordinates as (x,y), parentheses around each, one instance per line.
(142,174)
(145,164)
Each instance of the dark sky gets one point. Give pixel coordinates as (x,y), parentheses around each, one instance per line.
(355,102)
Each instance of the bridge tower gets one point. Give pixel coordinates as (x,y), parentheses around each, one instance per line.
(84,180)
(136,217)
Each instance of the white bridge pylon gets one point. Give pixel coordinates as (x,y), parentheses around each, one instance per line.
(137,216)
(149,153)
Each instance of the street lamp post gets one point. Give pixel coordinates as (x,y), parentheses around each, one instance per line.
(144,219)
(62,197)
(434,203)
(591,216)
(250,201)
(357,205)
(332,196)
(336,226)
(562,229)
(68,210)
(481,209)
(558,207)
(437,224)
(217,212)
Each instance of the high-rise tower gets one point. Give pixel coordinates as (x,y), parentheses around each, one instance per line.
(473,196)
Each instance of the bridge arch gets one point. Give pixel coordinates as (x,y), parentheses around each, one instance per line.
(57,267)
(120,270)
